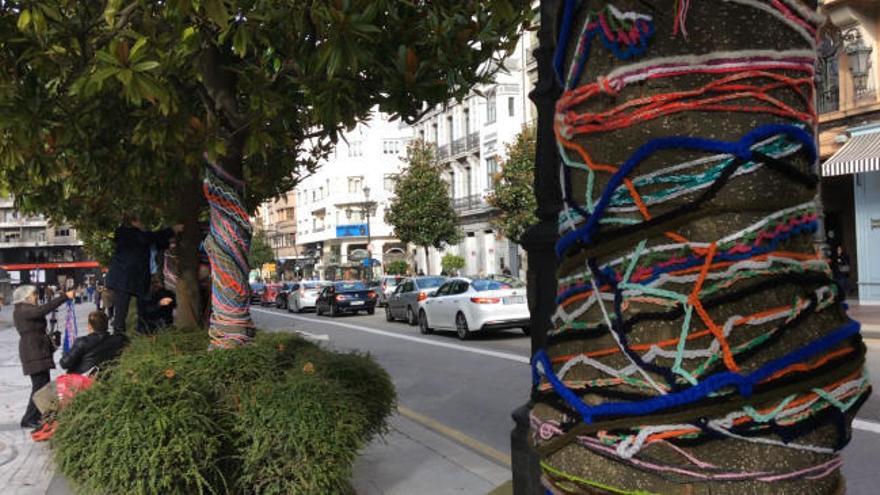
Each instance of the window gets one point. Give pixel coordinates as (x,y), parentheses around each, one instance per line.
(355,185)
(460,287)
(466,121)
(490,108)
(313,196)
(389,181)
(491,171)
(828,77)
(390,147)
(62,232)
(421,134)
(449,129)
(436,131)
(321,189)
(354,149)
(511,106)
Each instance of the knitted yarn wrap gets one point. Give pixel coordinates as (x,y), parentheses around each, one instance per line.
(227,246)
(700,344)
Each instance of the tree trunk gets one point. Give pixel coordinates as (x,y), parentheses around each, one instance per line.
(699,344)
(229,241)
(189,300)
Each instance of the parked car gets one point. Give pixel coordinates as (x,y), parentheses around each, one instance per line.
(257,289)
(304,295)
(279,296)
(404,302)
(270,291)
(468,305)
(346,297)
(387,285)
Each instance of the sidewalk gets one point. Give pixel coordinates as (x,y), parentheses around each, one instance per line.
(409,459)
(868,315)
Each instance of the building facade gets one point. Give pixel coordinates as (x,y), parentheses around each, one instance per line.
(32,250)
(277,219)
(849,125)
(470,138)
(341,207)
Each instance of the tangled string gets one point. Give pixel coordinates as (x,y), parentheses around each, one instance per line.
(227,245)
(762,355)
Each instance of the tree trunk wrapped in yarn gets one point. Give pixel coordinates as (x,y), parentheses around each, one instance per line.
(700,344)
(227,246)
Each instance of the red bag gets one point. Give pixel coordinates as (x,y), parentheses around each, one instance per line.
(70,384)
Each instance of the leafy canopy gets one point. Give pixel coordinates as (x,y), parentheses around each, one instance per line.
(106,108)
(421,210)
(261,252)
(513,193)
(452,263)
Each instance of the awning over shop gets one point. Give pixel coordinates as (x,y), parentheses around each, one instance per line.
(860,154)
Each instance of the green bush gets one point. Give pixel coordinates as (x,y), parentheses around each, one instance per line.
(396,267)
(452,263)
(276,417)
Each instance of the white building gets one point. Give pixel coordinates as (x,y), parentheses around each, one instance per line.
(331,225)
(470,137)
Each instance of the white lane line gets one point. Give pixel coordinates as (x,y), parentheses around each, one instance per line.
(861,424)
(457,347)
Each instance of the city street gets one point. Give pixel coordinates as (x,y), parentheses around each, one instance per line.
(467,390)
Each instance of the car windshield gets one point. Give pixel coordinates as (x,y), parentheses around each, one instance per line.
(392,282)
(430,283)
(499,283)
(350,286)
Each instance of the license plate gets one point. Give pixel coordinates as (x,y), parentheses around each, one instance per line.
(357,303)
(514,300)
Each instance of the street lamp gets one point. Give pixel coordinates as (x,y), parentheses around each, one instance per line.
(859,56)
(366,209)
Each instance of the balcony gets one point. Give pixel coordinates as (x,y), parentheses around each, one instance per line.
(828,100)
(459,147)
(469,203)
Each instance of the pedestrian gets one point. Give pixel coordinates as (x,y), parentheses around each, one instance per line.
(840,268)
(506,272)
(159,310)
(41,289)
(35,347)
(107,302)
(50,292)
(90,291)
(129,274)
(93,349)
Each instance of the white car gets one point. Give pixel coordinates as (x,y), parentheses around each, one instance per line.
(304,295)
(387,286)
(468,305)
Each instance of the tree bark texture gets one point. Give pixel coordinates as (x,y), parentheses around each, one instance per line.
(699,343)
(185,266)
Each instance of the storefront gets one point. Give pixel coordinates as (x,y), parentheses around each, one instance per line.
(851,201)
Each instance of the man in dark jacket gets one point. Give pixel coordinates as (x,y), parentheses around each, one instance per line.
(35,347)
(159,310)
(95,348)
(129,273)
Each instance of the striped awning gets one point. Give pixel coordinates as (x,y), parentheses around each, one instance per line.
(860,154)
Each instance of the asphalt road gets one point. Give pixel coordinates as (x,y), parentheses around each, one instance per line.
(472,387)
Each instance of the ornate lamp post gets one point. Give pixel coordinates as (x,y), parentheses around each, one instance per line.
(859,57)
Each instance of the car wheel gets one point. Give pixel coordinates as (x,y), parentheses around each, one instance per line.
(318,310)
(371,311)
(423,323)
(527,330)
(388,316)
(411,317)
(280,304)
(333,311)
(461,327)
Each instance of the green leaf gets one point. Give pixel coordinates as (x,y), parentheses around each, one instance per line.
(188,33)
(24,20)
(133,56)
(110,11)
(124,76)
(145,66)
(101,74)
(216,11)
(240,41)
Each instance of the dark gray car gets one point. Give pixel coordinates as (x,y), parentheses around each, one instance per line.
(403,304)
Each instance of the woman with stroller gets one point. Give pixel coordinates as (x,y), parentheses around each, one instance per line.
(35,348)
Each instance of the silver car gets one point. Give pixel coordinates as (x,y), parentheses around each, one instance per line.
(387,286)
(404,301)
(304,295)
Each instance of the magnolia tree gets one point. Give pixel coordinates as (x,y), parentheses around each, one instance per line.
(110,109)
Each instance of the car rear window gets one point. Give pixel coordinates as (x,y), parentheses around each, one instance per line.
(392,282)
(311,285)
(430,283)
(350,286)
(496,284)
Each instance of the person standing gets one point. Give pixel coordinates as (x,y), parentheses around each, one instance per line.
(129,274)
(35,347)
(841,269)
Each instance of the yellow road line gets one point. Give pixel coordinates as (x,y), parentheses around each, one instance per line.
(453,434)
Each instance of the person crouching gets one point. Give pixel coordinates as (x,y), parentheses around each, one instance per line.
(95,348)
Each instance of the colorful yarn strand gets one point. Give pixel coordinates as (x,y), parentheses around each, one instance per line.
(227,245)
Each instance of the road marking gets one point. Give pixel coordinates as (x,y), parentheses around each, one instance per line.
(861,424)
(485,352)
(453,434)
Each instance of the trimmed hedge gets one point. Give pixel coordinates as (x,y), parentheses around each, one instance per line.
(276,417)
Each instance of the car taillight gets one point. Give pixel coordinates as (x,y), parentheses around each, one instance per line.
(371,294)
(422,296)
(340,297)
(485,300)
